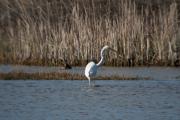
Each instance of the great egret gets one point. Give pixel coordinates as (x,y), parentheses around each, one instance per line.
(91,67)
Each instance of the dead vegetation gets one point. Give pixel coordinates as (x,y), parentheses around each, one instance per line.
(42,32)
(60,76)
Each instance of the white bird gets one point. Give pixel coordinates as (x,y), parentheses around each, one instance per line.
(91,67)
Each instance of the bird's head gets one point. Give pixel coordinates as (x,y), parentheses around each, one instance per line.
(109,48)
(106,47)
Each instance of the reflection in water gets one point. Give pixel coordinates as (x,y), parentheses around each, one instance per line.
(67,100)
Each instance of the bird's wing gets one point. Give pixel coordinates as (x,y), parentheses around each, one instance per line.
(91,69)
(91,72)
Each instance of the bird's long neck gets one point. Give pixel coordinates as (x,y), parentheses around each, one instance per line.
(102,59)
(100,62)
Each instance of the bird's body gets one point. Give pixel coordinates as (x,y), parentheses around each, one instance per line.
(90,70)
(91,67)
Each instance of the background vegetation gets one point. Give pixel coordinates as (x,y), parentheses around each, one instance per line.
(47,32)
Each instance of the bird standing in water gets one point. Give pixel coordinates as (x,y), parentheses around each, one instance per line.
(91,67)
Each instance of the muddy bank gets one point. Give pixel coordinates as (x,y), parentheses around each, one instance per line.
(77,73)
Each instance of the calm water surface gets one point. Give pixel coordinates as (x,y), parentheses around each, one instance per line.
(74,100)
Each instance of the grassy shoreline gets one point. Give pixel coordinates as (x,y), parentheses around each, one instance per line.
(61,76)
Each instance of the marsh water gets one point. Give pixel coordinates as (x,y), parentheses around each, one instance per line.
(154,99)
(74,100)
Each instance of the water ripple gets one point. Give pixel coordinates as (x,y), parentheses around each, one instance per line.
(67,100)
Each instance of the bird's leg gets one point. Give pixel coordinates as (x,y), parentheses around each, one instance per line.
(89,81)
(94,82)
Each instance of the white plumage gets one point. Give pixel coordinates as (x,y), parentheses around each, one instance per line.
(91,67)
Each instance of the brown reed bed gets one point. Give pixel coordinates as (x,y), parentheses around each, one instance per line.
(60,76)
(42,32)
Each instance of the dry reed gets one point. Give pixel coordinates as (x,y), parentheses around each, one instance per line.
(47,33)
